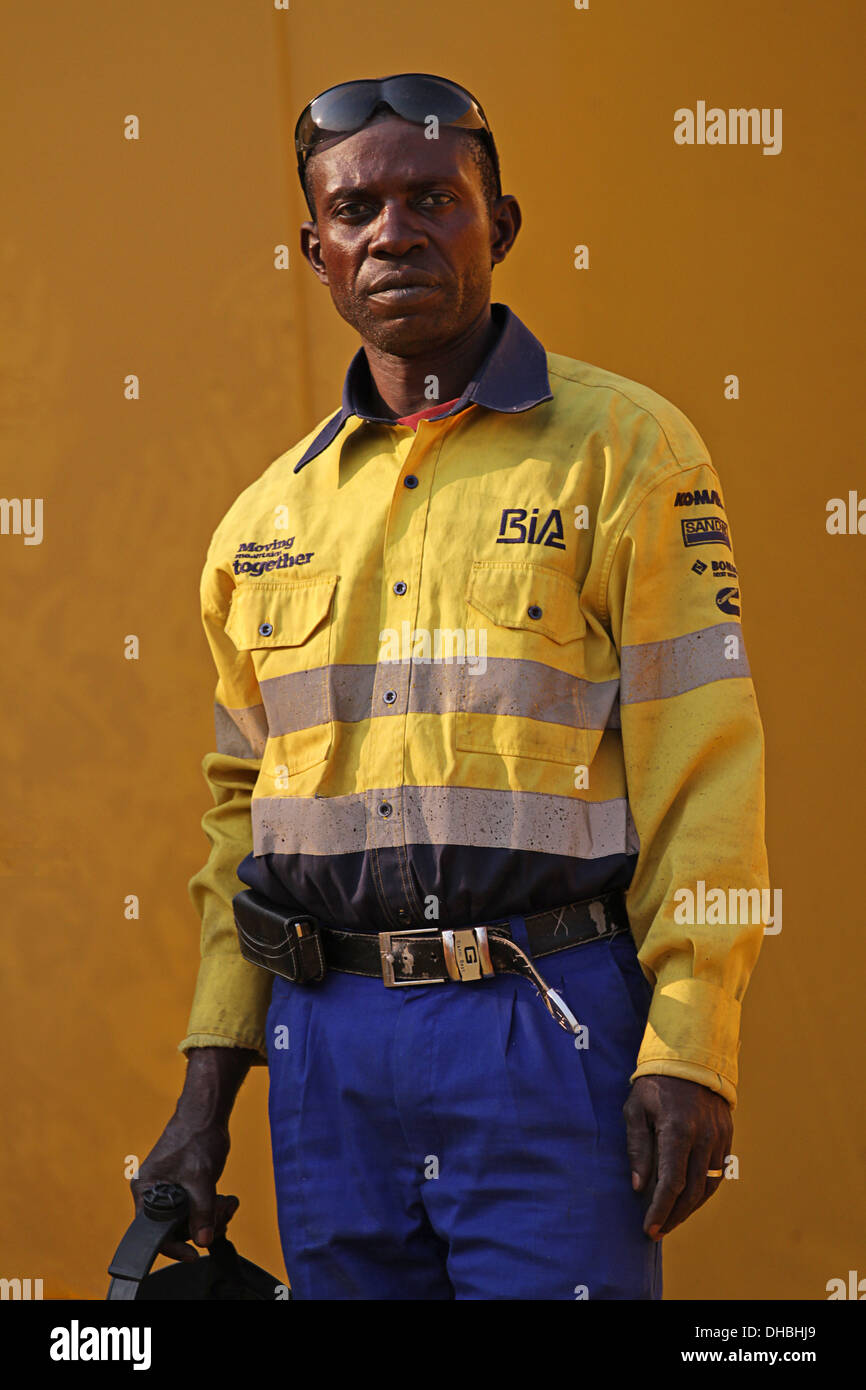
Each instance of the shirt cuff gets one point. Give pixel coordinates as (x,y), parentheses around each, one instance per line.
(230,1006)
(693,1032)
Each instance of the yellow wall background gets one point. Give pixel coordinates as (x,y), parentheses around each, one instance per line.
(156,257)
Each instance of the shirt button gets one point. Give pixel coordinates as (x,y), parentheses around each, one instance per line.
(389,697)
(533,611)
(265,629)
(410,480)
(384,808)
(400,587)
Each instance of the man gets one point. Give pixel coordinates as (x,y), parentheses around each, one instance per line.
(483,708)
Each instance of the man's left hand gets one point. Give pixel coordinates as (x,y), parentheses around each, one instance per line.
(676,1131)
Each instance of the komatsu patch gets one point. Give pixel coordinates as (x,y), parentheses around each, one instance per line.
(705,530)
(701,497)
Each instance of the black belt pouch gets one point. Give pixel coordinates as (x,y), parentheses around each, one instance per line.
(287,943)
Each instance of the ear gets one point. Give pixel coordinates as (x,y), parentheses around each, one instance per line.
(311,249)
(504,225)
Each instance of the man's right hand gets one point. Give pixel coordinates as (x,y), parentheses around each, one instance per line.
(193,1148)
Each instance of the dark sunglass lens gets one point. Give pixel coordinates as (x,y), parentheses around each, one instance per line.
(418,97)
(342,110)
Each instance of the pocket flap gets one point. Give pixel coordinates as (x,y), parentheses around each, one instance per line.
(281,614)
(527,596)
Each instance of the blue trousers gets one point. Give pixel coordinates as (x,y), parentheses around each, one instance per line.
(450,1141)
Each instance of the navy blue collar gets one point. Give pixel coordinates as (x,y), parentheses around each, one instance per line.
(512,377)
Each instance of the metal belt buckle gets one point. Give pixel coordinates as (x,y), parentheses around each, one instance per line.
(388,953)
(467,953)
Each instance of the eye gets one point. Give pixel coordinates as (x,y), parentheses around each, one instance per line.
(356,209)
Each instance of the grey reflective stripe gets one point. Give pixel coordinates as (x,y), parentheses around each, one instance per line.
(599,702)
(613,718)
(659,670)
(516,687)
(306,698)
(240,733)
(351,692)
(511,686)
(295,702)
(531,690)
(443,815)
(435,687)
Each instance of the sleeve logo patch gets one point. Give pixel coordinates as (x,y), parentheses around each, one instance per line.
(701,497)
(705,530)
(723,569)
(728,601)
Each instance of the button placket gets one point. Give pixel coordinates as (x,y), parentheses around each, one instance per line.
(401,570)
(391,689)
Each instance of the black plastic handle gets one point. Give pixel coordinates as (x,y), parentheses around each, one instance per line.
(162,1216)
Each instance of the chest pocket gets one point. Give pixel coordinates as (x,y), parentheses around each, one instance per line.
(527,701)
(286,626)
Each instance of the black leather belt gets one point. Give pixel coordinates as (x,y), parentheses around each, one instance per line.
(299,948)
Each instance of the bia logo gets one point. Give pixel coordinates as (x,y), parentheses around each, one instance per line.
(513,532)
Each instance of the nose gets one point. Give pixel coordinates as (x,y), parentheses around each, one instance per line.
(396,230)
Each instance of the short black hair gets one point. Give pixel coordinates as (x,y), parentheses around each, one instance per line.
(479,151)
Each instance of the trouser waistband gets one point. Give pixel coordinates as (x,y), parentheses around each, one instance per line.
(301,949)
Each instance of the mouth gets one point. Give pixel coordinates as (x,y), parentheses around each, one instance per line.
(408,287)
(403,294)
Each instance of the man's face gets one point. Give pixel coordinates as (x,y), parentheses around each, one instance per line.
(392,205)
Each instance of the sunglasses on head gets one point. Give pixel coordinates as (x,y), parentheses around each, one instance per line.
(416,96)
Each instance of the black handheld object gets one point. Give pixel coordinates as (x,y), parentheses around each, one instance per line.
(222,1274)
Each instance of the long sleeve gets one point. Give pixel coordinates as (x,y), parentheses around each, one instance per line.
(694,758)
(231,996)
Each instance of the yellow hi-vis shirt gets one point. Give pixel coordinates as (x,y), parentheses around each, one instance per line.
(489,666)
